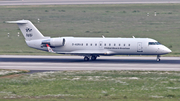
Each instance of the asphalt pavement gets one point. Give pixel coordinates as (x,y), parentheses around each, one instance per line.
(24,62)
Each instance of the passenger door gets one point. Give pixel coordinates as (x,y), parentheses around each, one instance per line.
(139,47)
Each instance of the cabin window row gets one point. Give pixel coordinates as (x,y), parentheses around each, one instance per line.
(101,44)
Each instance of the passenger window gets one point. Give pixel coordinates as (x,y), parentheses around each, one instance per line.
(95,44)
(114,44)
(104,44)
(72,44)
(91,44)
(109,44)
(119,44)
(129,44)
(86,44)
(124,44)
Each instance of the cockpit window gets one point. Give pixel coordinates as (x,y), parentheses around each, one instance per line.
(154,43)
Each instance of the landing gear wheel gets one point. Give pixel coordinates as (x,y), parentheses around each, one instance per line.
(158,58)
(86,58)
(93,58)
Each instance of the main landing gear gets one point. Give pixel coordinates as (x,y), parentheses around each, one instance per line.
(86,58)
(158,58)
(93,57)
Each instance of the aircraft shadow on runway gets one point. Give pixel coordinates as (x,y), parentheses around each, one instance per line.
(66,60)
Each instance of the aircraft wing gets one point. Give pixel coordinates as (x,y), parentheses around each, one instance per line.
(88,52)
(82,52)
(49,49)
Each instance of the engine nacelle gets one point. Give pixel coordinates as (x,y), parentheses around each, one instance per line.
(57,42)
(54,42)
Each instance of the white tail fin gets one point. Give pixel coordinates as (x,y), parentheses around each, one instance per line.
(49,49)
(29,31)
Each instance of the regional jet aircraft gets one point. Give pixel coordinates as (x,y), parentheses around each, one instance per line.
(91,47)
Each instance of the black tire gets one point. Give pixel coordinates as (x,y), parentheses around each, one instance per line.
(158,60)
(86,58)
(93,58)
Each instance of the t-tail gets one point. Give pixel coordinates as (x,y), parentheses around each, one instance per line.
(29,31)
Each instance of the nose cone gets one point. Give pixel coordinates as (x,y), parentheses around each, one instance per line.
(163,50)
(167,50)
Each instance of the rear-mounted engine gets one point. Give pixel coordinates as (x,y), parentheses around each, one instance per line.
(54,42)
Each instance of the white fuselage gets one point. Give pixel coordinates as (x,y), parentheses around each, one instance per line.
(105,46)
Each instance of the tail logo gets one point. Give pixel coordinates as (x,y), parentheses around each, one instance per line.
(28,32)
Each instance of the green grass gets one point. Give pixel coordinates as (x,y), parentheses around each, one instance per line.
(92,21)
(11,72)
(93,85)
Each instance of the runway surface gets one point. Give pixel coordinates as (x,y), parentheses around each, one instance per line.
(77,63)
(60,2)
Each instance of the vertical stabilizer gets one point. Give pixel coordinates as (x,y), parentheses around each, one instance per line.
(29,31)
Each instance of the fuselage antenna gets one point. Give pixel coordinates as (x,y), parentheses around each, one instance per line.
(103,36)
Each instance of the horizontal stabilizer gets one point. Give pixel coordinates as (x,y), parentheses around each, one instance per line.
(18,22)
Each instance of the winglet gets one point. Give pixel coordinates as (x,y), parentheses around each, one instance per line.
(49,49)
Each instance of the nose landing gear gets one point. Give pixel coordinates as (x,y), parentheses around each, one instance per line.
(158,58)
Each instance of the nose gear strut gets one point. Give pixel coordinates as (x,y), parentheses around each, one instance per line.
(158,58)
